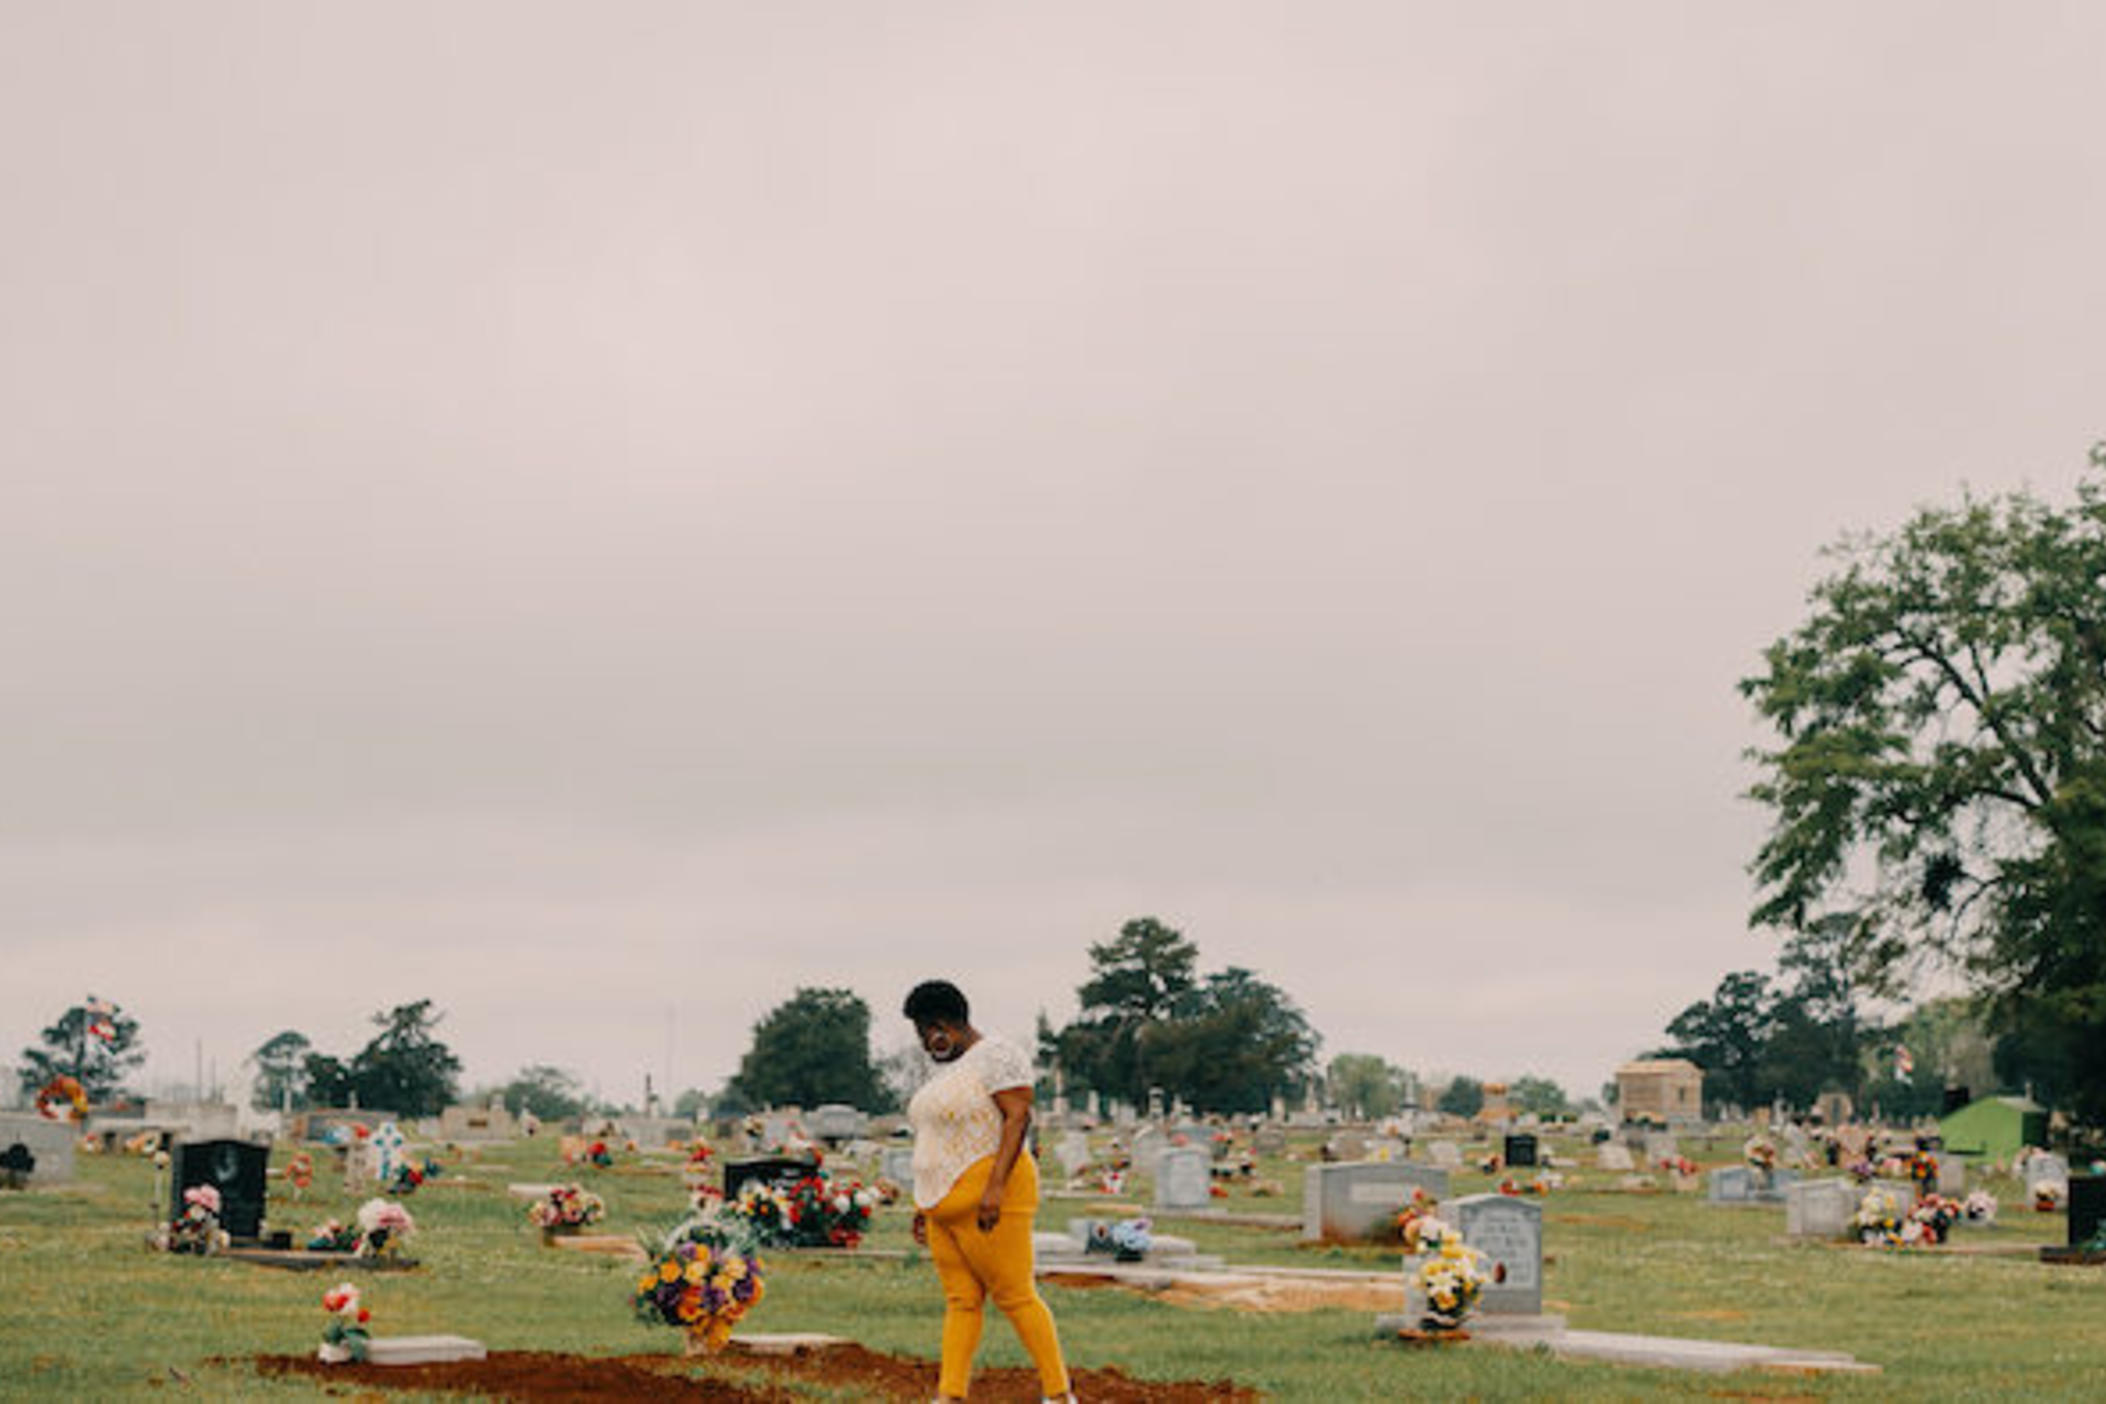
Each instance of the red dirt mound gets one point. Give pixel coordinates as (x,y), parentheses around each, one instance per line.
(545,1377)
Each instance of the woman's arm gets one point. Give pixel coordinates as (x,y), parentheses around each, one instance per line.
(1015,1105)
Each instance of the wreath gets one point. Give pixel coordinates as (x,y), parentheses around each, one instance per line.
(63,1089)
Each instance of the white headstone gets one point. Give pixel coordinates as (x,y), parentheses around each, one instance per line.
(388,1143)
(1820,1208)
(1614,1157)
(1183,1178)
(1445,1154)
(46,1143)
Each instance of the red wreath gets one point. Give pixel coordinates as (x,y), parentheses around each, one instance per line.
(63,1089)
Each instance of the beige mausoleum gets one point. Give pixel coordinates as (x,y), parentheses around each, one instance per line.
(1668,1091)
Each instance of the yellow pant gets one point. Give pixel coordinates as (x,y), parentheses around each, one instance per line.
(975,1265)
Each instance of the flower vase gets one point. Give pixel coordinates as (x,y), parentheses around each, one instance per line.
(705,1338)
(330,1353)
(551,1232)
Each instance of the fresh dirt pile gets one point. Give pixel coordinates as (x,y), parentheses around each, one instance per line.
(545,1377)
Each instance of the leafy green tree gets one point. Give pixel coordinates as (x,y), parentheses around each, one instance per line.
(92,1042)
(405,1069)
(1539,1095)
(281,1070)
(1230,1043)
(550,1093)
(329,1081)
(812,1049)
(1940,782)
(1135,982)
(1366,1087)
(1726,1036)
(1463,1096)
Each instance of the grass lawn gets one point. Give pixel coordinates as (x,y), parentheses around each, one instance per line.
(90,1314)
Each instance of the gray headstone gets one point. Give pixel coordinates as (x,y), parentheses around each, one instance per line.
(1073,1152)
(1269,1140)
(1509,1232)
(1356,1201)
(897,1165)
(1184,1178)
(46,1143)
(2045,1168)
(1661,1145)
(1820,1208)
(1735,1184)
(1614,1157)
(835,1122)
(1445,1154)
(1148,1143)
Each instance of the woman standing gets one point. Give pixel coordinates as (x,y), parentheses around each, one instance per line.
(976,1187)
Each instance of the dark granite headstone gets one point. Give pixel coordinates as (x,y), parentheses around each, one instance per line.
(236,1169)
(2087,1208)
(771,1169)
(1520,1149)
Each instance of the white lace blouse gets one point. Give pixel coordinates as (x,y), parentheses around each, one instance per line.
(955,1119)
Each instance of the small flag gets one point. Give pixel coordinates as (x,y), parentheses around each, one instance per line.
(1903,1063)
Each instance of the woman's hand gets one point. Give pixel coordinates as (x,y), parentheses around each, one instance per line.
(990,1212)
(921,1228)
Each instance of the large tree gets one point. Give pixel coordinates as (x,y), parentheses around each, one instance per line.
(550,1093)
(92,1042)
(1726,1036)
(1135,981)
(405,1068)
(1231,1043)
(281,1070)
(1365,1086)
(811,1049)
(1939,789)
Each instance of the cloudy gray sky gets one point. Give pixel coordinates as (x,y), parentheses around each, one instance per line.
(588,511)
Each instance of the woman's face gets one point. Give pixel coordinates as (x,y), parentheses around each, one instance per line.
(942,1041)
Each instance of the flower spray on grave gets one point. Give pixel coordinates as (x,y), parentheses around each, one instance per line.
(1934,1215)
(1761,1154)
(1444,1280)
(1125,1241)
(817,1211)
(704,1276)
(384,1229)
(196,1229)
(565,1210)
(1880,1221)
(345,1339)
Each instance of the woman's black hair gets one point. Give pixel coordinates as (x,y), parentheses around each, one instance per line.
(937,1002)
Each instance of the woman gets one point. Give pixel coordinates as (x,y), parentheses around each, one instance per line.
(976,1187)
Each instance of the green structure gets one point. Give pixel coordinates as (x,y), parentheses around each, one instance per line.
(1995,1126)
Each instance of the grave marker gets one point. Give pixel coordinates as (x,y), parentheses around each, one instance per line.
(45,1147)
(236,1169)
(1509,1232)
(1820,1208)
(1519,1149)
(1357,1201)
(1183,1178)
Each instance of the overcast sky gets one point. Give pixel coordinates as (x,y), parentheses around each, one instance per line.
(591,513)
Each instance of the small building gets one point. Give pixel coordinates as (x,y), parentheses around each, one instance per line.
(1996,1127)
(1664,1091)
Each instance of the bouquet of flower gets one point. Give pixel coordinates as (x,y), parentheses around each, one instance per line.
(1760,1153)
(1127,1240)
(566,1207)
(703,1278)
(1412,1219)
(1879,1219)
(1113,1181)
(1892,1167)
(196,1229)
(345,1338)
(383,1227)
(1863,1169)
(599,1155)
(1449,1275)
(1980,1207)
(1491,1164)
(1923,1172)
(830,1213)
(1937,1215)
(2050,1195)
(333,1237)
(1679,1165)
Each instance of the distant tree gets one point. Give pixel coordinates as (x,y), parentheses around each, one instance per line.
(1539,1095)
(1366,1087)
(692,1102)
(1939,786)
(329,1081)
(1135,981)
(552,1094)
(1725,1036)
(405,1069)
(812,1049)
(1231,1043)
(1463,1096)
(92,1042)
(281,1070)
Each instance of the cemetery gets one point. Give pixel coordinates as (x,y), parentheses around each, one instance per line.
(1575,1282)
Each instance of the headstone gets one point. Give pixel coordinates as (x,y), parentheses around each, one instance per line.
(1509,1232)
(2087,1208)
(1735,1184)
(1820,1208)
(1148,1143)
(1952,1177)
(1269,1140)
(835,1123)
(1519,1149)
(1073,1153)
(423,1350)
(771,1169)
(777,1129)
(45,1147)
(236,1169)
(896,1164)
(361,1167)
(1184,1178)
(1445,1154)
(1356,1201)
(2046,1168)
(1612,1156)
(1661,1145)
(388,1146)
(1349,1145)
